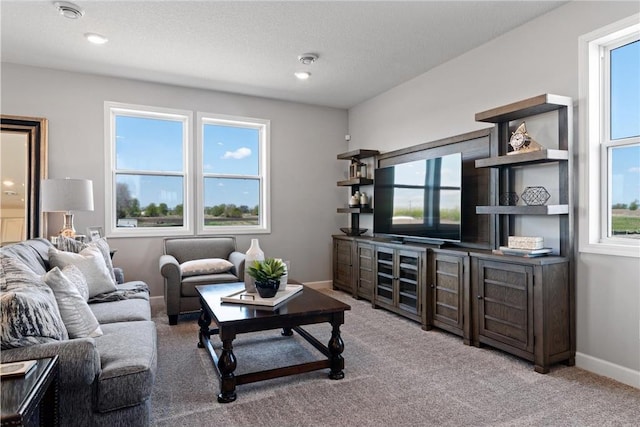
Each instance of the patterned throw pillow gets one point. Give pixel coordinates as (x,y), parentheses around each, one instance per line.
(74,310)
(91,263)
(205,266)
(68,244)
(28,310)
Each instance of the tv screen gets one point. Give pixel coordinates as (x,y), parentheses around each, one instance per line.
(421,199)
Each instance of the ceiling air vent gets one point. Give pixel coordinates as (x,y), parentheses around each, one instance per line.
(69,10)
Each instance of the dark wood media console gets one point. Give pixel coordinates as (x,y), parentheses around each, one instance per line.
(525,306)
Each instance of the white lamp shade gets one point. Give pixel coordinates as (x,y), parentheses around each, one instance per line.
(65,195)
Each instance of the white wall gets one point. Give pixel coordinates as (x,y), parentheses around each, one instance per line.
(539,57)
(304,142)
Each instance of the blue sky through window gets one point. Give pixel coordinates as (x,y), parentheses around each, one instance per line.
(625,122)
(155,145)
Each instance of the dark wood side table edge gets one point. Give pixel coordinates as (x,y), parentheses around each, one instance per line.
(42,397)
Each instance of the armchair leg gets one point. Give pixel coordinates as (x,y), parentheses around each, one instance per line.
(173,319)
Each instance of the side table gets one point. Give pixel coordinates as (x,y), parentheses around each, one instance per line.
(32,400)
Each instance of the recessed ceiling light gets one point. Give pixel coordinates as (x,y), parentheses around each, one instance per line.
(302,75)
(96,38)
(69,10)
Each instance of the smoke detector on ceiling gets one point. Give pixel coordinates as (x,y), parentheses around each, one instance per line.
(69,10)
(308,58)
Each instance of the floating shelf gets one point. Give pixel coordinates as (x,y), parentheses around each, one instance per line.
(359,154)
(528,107)
(533,157)
(355,210)
(355,181)
(524,210)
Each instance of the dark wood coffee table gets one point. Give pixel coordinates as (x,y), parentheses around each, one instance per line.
(306,307)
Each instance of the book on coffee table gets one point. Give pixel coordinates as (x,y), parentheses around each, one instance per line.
(16,368)
(253,298)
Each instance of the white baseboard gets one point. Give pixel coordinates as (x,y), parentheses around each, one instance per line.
(157,300)
(325,284)
(608,369)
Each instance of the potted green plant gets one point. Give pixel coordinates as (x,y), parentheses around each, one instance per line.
(267,276)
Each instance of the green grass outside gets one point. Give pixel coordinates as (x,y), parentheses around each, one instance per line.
(446,214)
(625,224)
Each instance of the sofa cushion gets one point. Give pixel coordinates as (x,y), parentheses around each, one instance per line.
(28,310)
(198,267)
(128,358)
(91,262)
(74,310)
(121,311)
(72,245)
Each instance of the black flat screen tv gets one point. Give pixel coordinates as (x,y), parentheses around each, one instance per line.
(419,200)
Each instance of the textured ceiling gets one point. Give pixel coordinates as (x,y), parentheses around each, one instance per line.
(365,47)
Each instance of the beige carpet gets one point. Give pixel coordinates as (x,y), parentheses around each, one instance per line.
(396,374)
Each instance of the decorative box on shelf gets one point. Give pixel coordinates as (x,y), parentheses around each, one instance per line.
(522,242)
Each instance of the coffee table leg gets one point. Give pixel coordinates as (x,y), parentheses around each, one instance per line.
(336,347)
(287,332)
(226,366)
(203,321)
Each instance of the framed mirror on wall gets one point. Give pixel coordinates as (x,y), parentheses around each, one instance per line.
(23,164)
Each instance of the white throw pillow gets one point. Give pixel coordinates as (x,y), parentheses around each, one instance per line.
(91,263)
(76,277)
(74,310)
(205,266)
(68,244)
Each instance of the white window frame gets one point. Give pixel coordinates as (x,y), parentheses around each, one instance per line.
(594,191)
(111,110)
(264,127)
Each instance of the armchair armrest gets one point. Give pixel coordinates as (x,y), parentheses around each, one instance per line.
(237,259)
(170,270)
(79,359)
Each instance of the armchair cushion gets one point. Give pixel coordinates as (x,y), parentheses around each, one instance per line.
(198,267)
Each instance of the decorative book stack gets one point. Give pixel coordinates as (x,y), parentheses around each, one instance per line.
(528,247)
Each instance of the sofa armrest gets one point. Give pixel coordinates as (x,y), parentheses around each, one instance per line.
(119,273)
(237,259)
(170,270)
(79,360)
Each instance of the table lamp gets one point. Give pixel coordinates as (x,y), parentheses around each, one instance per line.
(67,195)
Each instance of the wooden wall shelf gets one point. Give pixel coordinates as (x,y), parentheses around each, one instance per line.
(524,210)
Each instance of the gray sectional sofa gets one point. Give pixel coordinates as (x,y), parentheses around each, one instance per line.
(106,380)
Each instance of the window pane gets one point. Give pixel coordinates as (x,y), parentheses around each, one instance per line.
(149,201)
(625,91)
(148,144)
(625,189)
(231,150)
(230,201)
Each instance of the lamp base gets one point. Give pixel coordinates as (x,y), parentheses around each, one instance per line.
(67,228)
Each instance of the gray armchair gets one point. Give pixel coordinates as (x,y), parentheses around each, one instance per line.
(180,294)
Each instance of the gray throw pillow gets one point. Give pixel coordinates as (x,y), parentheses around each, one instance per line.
(28,310)
(91,263)
(74,310)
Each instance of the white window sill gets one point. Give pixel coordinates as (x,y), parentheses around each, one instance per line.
(631,251)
